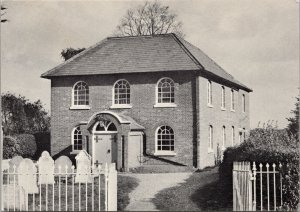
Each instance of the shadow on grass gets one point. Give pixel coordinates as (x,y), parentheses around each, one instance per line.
(201,191)
(126,184)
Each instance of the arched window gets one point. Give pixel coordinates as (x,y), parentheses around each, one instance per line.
(223,137)
(80,94)
(209,93)
(77,139)
(165,91)
(223,97)
(165,139)
(105,126)
(210,138)
(122,92)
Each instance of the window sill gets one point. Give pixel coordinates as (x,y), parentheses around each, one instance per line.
(223,148)
(164,153)
(210,150)
(210,105)
(165,105)
(223,108)
(81,107)
(232,110)
(121,106)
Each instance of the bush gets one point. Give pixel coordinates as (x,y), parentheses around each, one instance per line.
(10,147)
(27,145)
(268,145)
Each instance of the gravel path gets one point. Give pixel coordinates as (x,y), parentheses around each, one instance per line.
(149,185)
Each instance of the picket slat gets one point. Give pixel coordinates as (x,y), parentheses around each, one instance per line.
(17,197)
(245,187)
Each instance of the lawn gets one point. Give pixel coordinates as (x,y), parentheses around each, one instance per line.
(126,184)
(202,191)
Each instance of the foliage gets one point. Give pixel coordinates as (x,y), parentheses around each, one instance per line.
(21,116)
(23,145)
(126,184)
(11,147)
(70,52)
(3,13)
(27,145)
(293,125)
(268,145)
(151,18)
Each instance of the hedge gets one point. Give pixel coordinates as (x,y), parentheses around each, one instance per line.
(268,145)
(22,144)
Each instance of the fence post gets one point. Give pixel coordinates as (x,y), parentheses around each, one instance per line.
(254,186)
(112,188)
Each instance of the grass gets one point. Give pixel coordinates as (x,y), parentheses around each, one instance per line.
(202,191)
(126,184)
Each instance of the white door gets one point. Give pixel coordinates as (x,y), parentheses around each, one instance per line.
(104,149)
(135,149)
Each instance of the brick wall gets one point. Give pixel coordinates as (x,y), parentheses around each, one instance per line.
(217,118)
(180,118)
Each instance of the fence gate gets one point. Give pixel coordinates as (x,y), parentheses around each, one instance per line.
(256,189)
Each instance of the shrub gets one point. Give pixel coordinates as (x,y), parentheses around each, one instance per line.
(268,145)
(27,145)
(10,147)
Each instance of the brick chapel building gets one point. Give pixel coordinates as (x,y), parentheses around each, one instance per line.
(144,100)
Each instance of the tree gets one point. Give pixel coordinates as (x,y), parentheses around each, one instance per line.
(3,13)
(70,52)
(21,116)
(293,125)
(151,18)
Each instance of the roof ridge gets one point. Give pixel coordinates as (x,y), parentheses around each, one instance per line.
(142,36)
(186,50)
(74,57)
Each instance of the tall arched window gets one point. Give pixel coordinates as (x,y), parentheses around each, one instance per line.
(80,94)
(165,91)
(121,92)
(210,138)
(223,97)
(209,93)
(223,137)
(77,139)
(165,139)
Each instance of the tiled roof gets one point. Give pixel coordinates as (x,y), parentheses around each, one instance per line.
(140,54)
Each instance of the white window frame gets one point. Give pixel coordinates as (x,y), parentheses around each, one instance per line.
(164,152)
(232,135)
(210,139)
(232,100)
(209,93)
(223,96)
(80,107)
(73,141)
(243,103)
(166,104)
(114,105)
(223,137)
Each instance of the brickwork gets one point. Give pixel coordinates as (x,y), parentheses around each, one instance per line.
(180,118)
(217,117)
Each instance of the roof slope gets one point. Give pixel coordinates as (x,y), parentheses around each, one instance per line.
(140,54)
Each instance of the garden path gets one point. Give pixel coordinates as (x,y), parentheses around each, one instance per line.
(149,185)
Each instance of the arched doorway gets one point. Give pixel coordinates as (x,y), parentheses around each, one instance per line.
(104,142)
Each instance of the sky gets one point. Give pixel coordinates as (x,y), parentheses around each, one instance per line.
(257,41)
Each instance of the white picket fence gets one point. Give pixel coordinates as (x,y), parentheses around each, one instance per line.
(252,186)
(66,189)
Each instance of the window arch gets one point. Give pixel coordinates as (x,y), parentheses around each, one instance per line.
(165,139)
(105,126)
(165,91)
(121,92)
(80,94)
(77,141)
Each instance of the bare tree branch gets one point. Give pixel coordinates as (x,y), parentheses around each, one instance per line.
(149,18)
